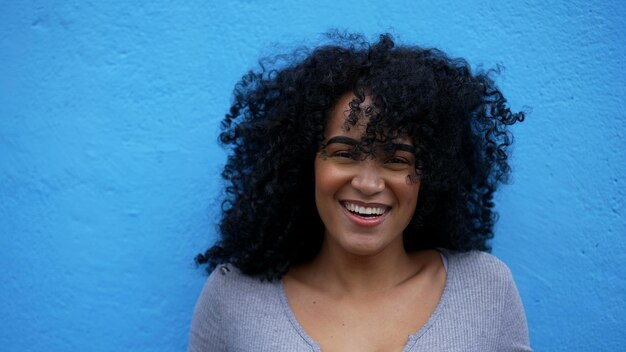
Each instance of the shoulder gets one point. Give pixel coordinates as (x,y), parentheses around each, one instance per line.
(224,282)
(482,286)
(480,276)
(226,285)
(228,277)
(479,265)
(228,302)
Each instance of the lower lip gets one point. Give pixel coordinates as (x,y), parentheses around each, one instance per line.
(363,221)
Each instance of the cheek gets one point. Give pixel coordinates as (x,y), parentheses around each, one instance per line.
(323,183)
(328,180)
(414,186)
(325,191)
(409,191)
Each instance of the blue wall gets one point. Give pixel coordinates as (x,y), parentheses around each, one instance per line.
(109,163)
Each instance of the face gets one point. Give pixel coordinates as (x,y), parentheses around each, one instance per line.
(365,203)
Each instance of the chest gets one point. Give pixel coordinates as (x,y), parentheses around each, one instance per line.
(365,324)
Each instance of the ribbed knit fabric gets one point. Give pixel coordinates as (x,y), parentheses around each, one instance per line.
(480,310)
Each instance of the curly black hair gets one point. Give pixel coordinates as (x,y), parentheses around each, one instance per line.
(458,122)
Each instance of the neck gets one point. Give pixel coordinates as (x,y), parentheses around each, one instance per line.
(342,272)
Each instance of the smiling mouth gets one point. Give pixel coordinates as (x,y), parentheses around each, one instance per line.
(365,211)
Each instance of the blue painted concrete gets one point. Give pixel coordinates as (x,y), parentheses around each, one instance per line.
(109,161)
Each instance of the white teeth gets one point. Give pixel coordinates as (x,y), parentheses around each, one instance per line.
(364,210)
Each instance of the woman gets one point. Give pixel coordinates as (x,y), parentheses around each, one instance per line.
(358,208)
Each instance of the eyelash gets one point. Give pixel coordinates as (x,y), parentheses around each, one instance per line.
(344,154)
(396,160)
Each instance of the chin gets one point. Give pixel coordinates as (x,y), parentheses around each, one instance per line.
(364,246)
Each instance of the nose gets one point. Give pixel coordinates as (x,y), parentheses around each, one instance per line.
(368,179)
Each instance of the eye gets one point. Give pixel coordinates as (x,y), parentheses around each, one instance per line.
(343,154)
(397,160)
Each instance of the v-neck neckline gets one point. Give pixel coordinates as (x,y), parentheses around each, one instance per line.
(412,339)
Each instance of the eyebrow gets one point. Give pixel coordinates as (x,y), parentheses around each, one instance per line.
(343,140)
(405,147)
(353,142)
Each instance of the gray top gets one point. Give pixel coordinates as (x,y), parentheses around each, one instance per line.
(479,310)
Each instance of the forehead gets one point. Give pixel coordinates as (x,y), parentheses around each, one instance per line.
(336,123)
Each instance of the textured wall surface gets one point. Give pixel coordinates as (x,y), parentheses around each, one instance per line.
(109,165)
